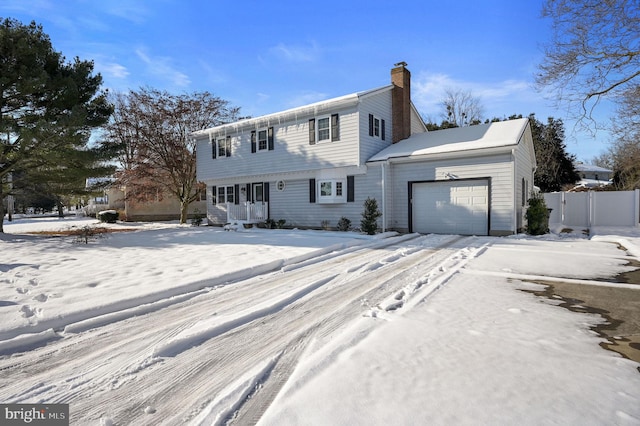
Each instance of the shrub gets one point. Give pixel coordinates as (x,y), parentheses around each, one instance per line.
(108,216)
(273,224)
(87,233)
(370,215)
(537,215)
(197,218)
(344,224)
(325,225)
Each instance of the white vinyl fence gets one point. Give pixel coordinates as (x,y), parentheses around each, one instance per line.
(594,208)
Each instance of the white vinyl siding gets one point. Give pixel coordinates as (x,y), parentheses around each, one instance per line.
(379,106)
(293,204)
(524,165)
(498,168)
(292,152)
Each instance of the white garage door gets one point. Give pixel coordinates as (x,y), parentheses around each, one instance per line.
(451,207)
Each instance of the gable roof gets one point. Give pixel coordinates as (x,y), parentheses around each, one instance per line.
(315,108)
(502,134)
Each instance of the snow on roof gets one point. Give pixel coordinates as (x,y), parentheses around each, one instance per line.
(581,167)
(293,113)
(481,136)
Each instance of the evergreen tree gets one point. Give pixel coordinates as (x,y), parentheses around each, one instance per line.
(48,106)
(370,215)
(555,167)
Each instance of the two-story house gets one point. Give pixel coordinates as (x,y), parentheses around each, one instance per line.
(317,163)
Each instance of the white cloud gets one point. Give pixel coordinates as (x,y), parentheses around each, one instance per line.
(113,70)
(161,67)
(297,53)
(497,98)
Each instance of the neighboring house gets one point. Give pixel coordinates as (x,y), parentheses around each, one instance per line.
(593,176)
(166,207)
(317,163)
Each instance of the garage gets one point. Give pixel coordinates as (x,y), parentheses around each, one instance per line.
(450,207)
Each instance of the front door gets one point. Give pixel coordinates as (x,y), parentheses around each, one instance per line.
(258,193)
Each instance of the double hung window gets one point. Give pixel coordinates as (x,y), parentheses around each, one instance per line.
(262,140)
(377,127)
(221,147)
(226,194)
(324,129)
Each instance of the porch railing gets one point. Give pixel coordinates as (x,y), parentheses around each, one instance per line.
(250,212)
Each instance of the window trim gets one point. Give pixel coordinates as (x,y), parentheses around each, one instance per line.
(380,128)
(262,141)
(221,147)
(269,144)
(333,129)
(222,193)
(335,186)
(323,129)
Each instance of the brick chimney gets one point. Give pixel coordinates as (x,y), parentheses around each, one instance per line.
(401,102)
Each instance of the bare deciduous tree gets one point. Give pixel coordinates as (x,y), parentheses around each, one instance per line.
(152,129)
(594,53)
(462,108)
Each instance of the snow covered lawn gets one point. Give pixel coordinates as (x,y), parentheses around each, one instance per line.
(52,282)
(456,341)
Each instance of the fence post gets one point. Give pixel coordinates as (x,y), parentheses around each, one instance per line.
(637,207)
(593,220)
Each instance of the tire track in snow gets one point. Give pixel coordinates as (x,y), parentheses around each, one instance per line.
(102,373)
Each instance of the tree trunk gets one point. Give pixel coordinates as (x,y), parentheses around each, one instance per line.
(1,209)
(60,209)
(184,211)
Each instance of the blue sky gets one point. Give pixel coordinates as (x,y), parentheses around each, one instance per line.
(266,56)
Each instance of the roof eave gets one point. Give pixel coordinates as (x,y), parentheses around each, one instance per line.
(293,114)
(445,155)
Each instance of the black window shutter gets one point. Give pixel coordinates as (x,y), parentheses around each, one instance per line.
(253,141)
(270,138)
(312,131)
(312,190)
(214,151)
(265,192)
(370,124)
(351,195)
(214,194)
(335,128)
(228,143)
(236,193)
(383,129)
(249,193)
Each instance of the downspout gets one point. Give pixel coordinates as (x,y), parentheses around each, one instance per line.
(515,194)
(383,203)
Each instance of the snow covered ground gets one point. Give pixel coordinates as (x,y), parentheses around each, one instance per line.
(170,324)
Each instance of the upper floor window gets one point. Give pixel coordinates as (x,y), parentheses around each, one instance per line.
(221,147)
(324,129)
(377,127)
(262,140)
